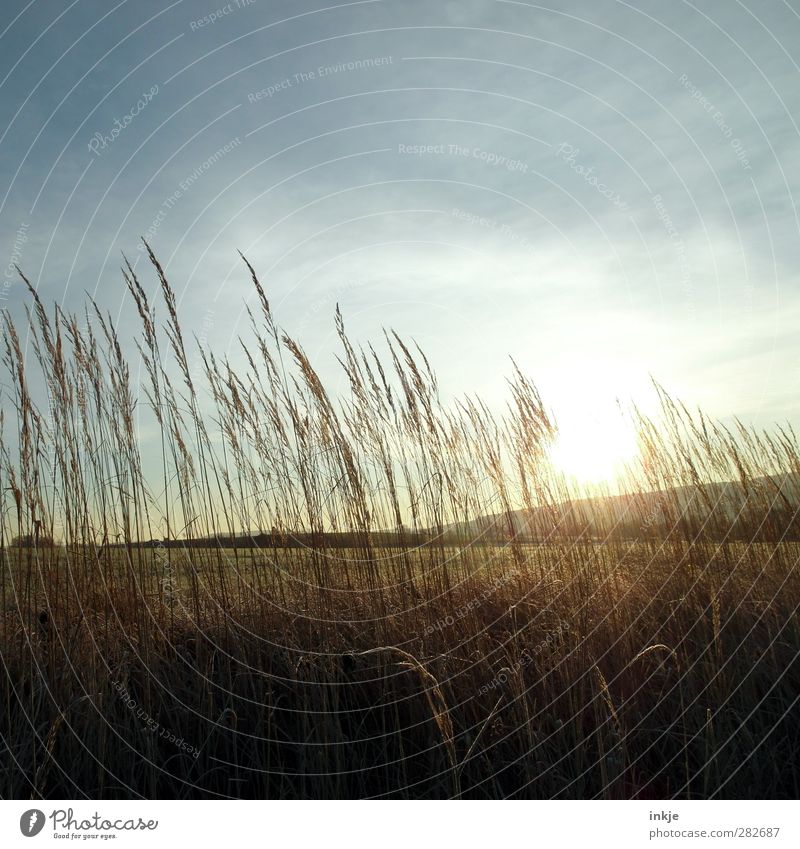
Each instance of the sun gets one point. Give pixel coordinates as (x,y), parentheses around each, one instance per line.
(594,448)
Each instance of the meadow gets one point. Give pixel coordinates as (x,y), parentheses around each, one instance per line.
(375,594)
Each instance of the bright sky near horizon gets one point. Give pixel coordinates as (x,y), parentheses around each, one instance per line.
(602,190)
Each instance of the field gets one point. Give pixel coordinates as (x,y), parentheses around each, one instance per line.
(404,598)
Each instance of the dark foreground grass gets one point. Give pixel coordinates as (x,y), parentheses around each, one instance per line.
(574,671)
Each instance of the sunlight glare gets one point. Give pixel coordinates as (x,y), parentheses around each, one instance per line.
(594,449)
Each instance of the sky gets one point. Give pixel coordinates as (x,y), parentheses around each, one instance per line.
(604,191)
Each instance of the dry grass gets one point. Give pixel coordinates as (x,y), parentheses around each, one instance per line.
(640,646)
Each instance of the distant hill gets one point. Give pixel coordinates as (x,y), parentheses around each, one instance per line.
(766,506)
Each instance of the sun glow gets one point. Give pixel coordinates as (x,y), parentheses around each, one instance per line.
(594,449)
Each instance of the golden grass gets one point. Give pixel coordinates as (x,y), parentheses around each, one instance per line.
(644,646)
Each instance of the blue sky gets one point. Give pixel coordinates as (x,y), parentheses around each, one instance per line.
(603,190)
